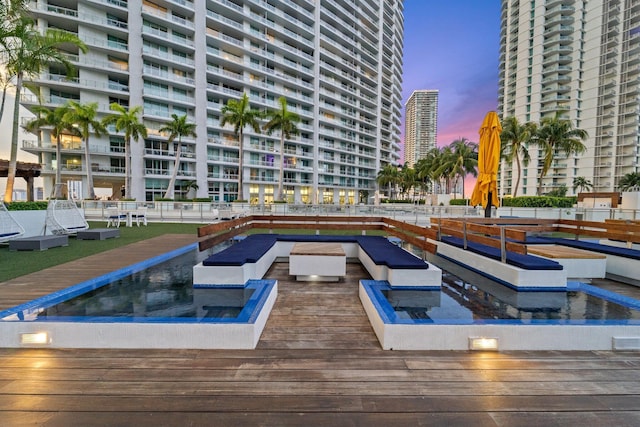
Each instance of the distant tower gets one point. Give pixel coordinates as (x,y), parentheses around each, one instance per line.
(578,59)
(421,125)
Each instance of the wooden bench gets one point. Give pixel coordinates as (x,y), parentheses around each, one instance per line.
(39,243)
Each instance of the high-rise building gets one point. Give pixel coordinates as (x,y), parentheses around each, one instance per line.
(338,63)
(581,58)
(420,125)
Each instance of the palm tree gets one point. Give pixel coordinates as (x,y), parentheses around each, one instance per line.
(284,121)
(514,139)
(54,120)
(177,128)
(464,160)
(239,114)
(126,120)
(444,169)
(629,181)
(427,166)
(388,176)
(582,183)
(83,116)
(27,52)
(407,179)
(557,135)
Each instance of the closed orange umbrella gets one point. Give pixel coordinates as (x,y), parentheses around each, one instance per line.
(485,191)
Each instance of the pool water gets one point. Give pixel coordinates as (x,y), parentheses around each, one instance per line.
(468,297)
(165,291)
(162,291)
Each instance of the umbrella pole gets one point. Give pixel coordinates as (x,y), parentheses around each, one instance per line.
(487,210)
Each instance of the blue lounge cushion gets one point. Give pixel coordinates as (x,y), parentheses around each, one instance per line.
(251,249)
(383,252)
(527,262)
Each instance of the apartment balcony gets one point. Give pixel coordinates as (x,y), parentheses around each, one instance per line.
(560,9)
(108,46)
(168,18)
(168,38)
(166,58)
(559,29)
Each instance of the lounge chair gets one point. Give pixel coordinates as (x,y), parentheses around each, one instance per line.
(64,217)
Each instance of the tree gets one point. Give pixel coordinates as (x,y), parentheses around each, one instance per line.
(464,160)
(557,135)
(407,179)
(27,52)
(54,120)
(84,118)
(388,176)
(126,120)
(239,114)
(177,128)
(285,121)
(427,166)
(629,182)
(514,139)
(444,167)
(582,183)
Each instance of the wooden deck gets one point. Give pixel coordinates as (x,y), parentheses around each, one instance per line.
(318,364)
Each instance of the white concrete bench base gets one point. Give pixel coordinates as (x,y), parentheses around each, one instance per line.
(221,275)
(592,266)
(516,276)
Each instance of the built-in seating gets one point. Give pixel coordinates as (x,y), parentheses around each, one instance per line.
(250,249)
(527,262)
(253,256)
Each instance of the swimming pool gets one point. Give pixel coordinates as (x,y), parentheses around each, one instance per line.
(152,304)
(155,305)
(471,306)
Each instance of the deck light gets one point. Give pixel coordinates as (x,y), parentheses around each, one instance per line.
(35,338)
(483,343)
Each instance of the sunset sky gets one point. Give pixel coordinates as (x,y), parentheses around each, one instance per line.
(453,46)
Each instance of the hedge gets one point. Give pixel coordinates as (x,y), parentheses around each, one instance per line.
(539,202)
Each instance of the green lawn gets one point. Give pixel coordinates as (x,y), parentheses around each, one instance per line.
(18,263)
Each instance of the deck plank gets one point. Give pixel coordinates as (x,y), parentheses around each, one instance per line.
(318,363)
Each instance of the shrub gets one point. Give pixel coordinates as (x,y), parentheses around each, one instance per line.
(459,202)
(27,206)
(539,202)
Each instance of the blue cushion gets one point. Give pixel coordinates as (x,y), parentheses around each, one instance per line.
(250,249)
(9,234)
(527,262)
(596,247)
(383,252)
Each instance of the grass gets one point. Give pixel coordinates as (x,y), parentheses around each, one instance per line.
(18,263)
